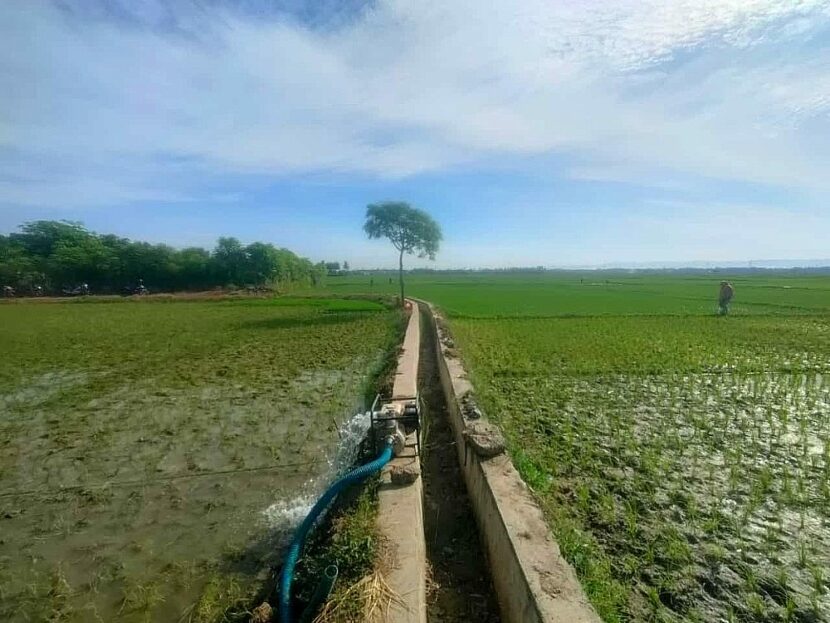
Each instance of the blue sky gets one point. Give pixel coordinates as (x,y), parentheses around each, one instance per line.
(546,132)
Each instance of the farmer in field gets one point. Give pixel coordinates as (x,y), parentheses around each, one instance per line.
(725,297)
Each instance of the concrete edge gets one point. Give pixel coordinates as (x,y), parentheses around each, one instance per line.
(401,507)
(533,582)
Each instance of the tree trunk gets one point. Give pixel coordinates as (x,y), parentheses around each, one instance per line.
(400,275)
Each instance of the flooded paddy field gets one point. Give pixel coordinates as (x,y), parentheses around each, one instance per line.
(152,455)
(683,462)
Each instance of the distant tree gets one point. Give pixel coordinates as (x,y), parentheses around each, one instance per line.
(154,264)
(39,238)
(193,269)
(53,254)
(87,261)
(333,267)
(409,229)
(345,266)
(260,263)
(15,264)
(229,258)
(318,274)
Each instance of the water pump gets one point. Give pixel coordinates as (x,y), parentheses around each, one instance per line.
(395,420)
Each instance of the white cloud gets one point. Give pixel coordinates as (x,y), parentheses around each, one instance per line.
(634,33)
(628,89)
(727,232)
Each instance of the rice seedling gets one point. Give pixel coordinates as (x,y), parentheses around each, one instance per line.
(703,433)
(129,430)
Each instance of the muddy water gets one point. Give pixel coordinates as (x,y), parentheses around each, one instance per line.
(150,503)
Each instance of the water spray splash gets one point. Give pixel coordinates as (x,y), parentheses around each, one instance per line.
(352,433)
(285,515)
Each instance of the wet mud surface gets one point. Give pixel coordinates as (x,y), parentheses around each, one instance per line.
(153,456)
(711,492)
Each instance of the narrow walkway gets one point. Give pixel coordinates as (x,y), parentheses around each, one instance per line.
(461,589)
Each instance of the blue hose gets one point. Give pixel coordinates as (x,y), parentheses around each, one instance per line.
(293,554)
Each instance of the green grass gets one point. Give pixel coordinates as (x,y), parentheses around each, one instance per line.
(348,538)
(682,459)
(598,294)
(646,344)
(141,443)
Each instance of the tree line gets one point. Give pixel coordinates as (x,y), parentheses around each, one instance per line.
(54,255)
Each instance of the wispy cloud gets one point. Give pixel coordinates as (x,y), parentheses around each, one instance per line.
(150,100)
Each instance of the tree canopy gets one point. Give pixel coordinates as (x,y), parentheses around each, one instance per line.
(57,254)
(410,230)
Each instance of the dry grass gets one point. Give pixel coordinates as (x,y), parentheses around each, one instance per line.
(370,599)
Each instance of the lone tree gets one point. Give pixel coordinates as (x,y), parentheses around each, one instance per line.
(409,229)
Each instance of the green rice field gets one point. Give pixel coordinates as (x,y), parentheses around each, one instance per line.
(587,293)
(152,453)
(682,459)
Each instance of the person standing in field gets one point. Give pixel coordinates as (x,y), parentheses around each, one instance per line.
(725,297)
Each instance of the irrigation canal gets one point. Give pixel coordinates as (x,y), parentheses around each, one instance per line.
(460,588)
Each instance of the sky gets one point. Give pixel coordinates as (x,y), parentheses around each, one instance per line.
(543,132)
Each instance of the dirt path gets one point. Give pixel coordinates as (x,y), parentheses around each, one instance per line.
(461,588)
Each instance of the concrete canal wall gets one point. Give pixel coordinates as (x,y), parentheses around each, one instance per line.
(534,583)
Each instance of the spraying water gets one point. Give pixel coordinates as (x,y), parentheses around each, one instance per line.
(286,514)
(352,433)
